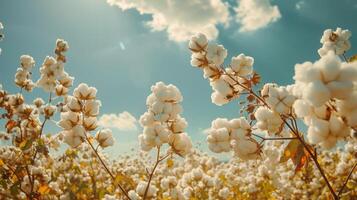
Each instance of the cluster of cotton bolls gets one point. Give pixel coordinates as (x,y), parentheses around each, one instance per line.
(53,77)
(226,135)
(326,92)
(336,41)
(80,117)
(23,73)
(226,83)
(162,122)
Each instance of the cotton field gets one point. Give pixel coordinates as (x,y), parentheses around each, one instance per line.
(287,141)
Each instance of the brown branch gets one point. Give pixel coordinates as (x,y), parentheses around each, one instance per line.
(275,138)
(106,168)
(346,181)
(158,160)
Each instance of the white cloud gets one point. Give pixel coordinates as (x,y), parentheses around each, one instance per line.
(180,18)
(255,14)
(121,121)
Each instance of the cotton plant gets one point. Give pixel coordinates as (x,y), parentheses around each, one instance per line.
(25,123)
(162,124)
(322,97)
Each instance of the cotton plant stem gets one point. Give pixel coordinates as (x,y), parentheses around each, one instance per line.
(346,181)
(275,138)
(296,133)
(158,160)
(106,168)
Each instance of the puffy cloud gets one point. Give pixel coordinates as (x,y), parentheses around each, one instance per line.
(180,18)
(121,121)
(255,14)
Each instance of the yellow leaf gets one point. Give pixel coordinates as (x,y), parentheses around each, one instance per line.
(353,58)
(22,144)
(44,189)
(1,163)
(170,163)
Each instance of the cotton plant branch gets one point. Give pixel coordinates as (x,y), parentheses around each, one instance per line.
(346,181)
(157,162)
(296,133)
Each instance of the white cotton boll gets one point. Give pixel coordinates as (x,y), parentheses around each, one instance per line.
(84,92)
(340,90)
(66,80)
(302,108)
(180,143)
(245,149)
(72,138)
(73,104)
(216,54)
(198,60)
(306,72)
(49,110)
(147,119)
(91,107)
(48,84)
(157,107)
(218,99)
(179,125)
(242,65)
(329,66)
(38,102)
(212,72)
(224,192)
(316,93)
(27,62)
(336,41)
(69,120)
(268,120)
(348,72)
(141,187)
(62,44)
(221,86)
(318,130)
(105,138)
(198,43)
(133,195)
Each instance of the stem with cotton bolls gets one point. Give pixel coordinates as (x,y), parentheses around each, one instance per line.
(293,129)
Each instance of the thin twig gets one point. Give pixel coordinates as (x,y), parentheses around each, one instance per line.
(346,181)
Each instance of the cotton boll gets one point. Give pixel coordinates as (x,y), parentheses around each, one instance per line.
(73,104)
(69,120)
(318,131)
(141,187)
(317,93)
(90,123)
(199,60)
(306,72)
(27,62)
(348,72)
(302,108)
(218,99)
(180,143)
(242,65)
(179,125)
(340,90)
(216,54)
(211,72)
(268,120)
(91,107)
(84,92)
(329,66)
(104,138)
(218,140)
(336,41)
(198,43)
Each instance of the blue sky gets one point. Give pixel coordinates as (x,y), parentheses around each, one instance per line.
(117,52)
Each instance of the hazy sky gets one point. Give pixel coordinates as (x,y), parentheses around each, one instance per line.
(117,52)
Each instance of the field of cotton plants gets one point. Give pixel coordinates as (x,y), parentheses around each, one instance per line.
(286,141)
